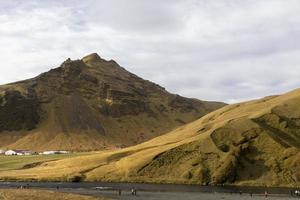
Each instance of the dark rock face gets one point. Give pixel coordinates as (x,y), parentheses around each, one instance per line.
(75,115)
(18,112)
(183,104)
(88,78)
(124,107)
(72,68)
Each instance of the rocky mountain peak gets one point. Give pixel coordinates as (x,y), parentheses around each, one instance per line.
(91,103)
(72,66)
(94,57)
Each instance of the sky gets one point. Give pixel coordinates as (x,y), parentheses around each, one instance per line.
(220,50)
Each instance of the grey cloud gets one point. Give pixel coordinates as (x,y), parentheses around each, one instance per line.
(214,50)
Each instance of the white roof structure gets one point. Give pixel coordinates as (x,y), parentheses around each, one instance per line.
(54,152)
(10,152)
(19,152)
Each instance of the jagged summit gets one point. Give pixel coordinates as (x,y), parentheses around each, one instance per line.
(94,57)
(90,104)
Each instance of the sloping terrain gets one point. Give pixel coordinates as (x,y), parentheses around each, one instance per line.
(250,143)
(90,104)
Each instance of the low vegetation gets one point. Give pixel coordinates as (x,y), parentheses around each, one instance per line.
(9,194)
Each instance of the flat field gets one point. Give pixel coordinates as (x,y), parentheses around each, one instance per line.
(23,162)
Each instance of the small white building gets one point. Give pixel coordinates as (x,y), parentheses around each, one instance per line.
(54,152)
(48,152)
(10,153)
(19,153)
(63,152)
(28,153)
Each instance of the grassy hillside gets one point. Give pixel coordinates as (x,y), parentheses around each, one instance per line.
(250,143)
(90,104)
(9,194)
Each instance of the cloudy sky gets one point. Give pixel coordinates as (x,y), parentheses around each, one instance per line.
(228,51)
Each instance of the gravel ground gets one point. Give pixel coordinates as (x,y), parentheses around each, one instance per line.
(142,195)
(157,191)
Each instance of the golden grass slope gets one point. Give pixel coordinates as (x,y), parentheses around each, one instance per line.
(250,143)
(13,194)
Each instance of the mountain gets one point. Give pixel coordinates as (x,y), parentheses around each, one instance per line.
(90,104)
(252,143)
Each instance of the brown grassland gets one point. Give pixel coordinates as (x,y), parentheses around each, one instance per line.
(13,194)
(251,143)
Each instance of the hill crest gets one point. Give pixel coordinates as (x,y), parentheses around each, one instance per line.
(90,104)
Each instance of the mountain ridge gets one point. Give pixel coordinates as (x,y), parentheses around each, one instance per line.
(90,104)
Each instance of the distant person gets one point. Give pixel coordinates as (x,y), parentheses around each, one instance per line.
(240,192)
(133,192)
(266,194)
(251,194)
(57,187)
(120,192)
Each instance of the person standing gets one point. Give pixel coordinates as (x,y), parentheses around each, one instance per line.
(266,194)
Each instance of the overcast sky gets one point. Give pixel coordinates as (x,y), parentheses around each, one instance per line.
(225,50)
